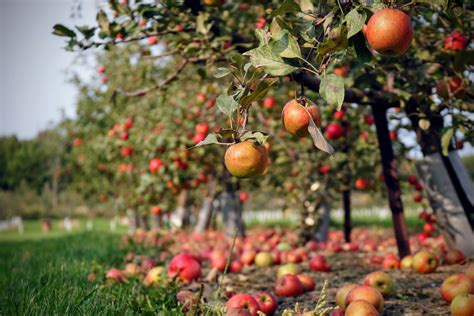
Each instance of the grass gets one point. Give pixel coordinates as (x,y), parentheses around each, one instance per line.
(46,274)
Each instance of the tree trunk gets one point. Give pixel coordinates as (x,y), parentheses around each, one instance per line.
(231,207)
(450,214)
(182,214)
(346,200)
(157,221)
(145,222)
(390,174)
(134,219)
(205,214)
(449,189)
(322,230)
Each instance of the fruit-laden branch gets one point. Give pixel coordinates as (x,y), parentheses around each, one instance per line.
(350,95)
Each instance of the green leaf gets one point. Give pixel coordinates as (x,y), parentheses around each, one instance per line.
(259,92)
(318,139)
(226,104)
(61,30)
(262,37)
(201,25)
(103,22)
(285,45)
(260,137)
(361,51)
(209,140)
(332,90)
(446,140)
(221,72)
(264,57)
(86,31)
(355,22)
(287,6)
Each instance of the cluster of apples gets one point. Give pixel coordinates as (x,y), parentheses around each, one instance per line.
(457,290)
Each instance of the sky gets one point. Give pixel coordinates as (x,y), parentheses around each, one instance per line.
(33,64)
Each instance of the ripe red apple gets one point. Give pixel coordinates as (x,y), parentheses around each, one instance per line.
(361,308)
(412,180)
(77,142)
(201,128)
(219,261)
(454,285)
(296,117)
(318,263)
(393,135)
(406,263)
(367,293)
(243,196)
(124,136)
(369,119)
(462,305)
(455,42)
(307,282)
(198,138)
(115,275)
(334,131)
(389,32)
(131,269)
(104,79)
(341,71)
(361,184)
(339,115)
(248,257)
(417,198)
(101,69)
(154,165)
(382,281)
(235,266)
(126,151)
(269,103)
(245,301)
(341,294)
(266,302)
(459,144)
(337,312)
(185,266)
(187,299)
(288,286)
(391,263)
(235,311)
(324,169)
(424,262)
(263,259)
(261,23)
(152,40)
(147,263)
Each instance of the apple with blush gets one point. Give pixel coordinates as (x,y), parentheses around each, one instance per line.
(267,302)
(382,281)
(244,301)
(462,305)
(367,293)
(288,286)
(454,285)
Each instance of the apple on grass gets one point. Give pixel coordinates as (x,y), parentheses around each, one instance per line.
(187,299)
(366,293)
(406,263)
(462,305)
(244,301)
(288,286)
(115,275)
(454,285)
(341,294)
(307,282)
(267,302)
(361,308)
(382,281)
(289,268)
(263,259)
(184,266)
(154,276)
(424,262)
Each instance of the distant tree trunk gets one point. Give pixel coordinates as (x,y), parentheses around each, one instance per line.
(346,201)
(390,174)
(322,228)
(145,222)
(205,214)
(183,212)
(157,221)
(231,207)
(134,219)
(55,184)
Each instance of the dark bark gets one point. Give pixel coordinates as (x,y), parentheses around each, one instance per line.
(391,177)
(346,200)
(232,208)
(322,229)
